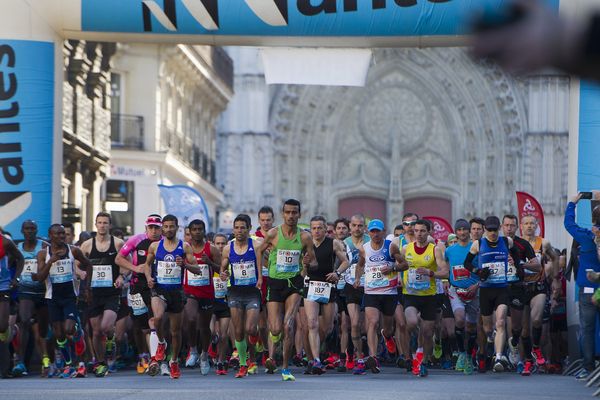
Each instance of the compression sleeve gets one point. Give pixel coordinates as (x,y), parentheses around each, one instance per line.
(469,261)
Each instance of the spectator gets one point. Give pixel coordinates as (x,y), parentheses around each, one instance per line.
(587,282)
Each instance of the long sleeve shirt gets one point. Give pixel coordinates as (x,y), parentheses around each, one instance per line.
(588,254)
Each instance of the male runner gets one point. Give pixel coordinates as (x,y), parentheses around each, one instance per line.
(56,265)
(139,293)
(354,293)
(424,264)
(493,271)
(167,261)
(464,296)
(32,302)
(378,261)
(519,297)
(342,231)
(222,335)
(266,218)
(200,295)
(239,266)
(104,281)
(287,243)
(320,297)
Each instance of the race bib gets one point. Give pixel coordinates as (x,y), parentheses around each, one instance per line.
(201,279)
(341,284)
(511,273)
(319,291)
(136,302)
(102,276)
(30,267)
(61,271)
(351,276)
(220,288)
(288,261)
(497,272)
(374,278)
(244,273)
(265,271)
(460,273)
(168,273)
(418,281)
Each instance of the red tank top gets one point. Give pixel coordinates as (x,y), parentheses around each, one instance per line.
(200,286)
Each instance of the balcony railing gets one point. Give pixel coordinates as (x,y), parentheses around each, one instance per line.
(127,131)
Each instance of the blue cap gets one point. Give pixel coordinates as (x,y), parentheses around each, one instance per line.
(375,224)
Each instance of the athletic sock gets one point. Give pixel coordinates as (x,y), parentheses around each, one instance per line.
(275,338)
(536,336)
(460,339)
(64,350)
(527,347)
(153,342)
(242,348)
(446,348)
(472,342)
(516,335)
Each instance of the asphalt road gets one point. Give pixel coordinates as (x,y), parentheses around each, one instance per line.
(391,384)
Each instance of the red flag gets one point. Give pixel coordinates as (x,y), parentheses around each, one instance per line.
(441,228)
(528,205)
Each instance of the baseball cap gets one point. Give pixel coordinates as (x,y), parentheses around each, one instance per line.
(154,219)
(461,224)
(492,223)
(375,224)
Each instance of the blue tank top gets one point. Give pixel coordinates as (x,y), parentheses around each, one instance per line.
(242,268)
(352,254)
(459,276)
(5,273)
(27,284)
(166,273)
(496,259)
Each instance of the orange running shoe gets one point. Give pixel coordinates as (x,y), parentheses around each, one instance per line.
(160,351)
(242,372)
(174,369)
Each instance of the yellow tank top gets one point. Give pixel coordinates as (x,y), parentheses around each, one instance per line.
(414,283)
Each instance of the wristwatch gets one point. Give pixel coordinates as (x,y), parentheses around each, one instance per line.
(338,273)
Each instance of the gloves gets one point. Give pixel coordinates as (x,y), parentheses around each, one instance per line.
(483,273)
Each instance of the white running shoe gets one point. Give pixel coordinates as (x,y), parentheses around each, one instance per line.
(513,353)
(204,366)
(191,360)
(164,369)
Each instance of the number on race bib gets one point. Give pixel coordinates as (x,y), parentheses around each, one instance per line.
(220,288)
(30,267)
(319,292)
(418,281)
(244,273)
(136,302)
(288,261)
(201,279)
(102,276)
(375,279)
(497,272)
(61,271)
(168,273)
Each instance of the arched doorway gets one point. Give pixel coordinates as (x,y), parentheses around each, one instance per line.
(370,207)
(430,206)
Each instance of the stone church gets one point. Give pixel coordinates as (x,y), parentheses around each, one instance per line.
(432,132)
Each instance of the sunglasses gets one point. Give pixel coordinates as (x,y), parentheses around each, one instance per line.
(409,223)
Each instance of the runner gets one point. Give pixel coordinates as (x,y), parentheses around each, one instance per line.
(493,271)
(132,257)
(536,280)
(239,267)
(33,310)
(342,231)
(104,281)
(354,293)
(56,265)
(464,297)
(519,297)
(287,243)
(167,261)
(222,335)
(200,296)
(320,297)
(379,261)
(424,264)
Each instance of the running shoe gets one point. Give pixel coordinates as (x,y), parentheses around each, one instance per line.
(81,371)
(461,362)
(297,360)
(500,364)
(468,370)
(204,366)
(481,364)
(242,372)
(160,351)
(164,369)
(527,368)
(110,348)
(79,339)
(447,364)
(520,367)
(416,366)
(318,368)
(359,368)
(153,367)
(513,353)
(373,364)
(221,369)
(59,360)
(349,362)
(68,372)
(342,366)
(100,370)
(408,364)
(332,361)
(423,370)
(174,371)
(19,370)
(582,375)
(45,366)
(270,366)
(259,348)
(252,368)
(538,356)
(390,343)
(192,359)
(308,369)
(140,368)
(234,360)
(286,375)
(400,362)
(437,348)
(53,371)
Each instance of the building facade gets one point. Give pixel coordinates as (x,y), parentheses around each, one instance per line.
(432,132)
(166,100)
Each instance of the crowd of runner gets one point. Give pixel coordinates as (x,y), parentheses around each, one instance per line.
(344,297)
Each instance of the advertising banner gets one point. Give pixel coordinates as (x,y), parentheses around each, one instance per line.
(440,229)
(528,205)
(186,204)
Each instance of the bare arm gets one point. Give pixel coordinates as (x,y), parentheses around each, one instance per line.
(11,250)
(442,270)
(149,261)
(360,266)
(551,267)
(224,273)
(264,246)
(43,266)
